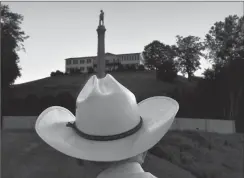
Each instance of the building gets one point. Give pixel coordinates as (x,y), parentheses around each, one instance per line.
(112,62)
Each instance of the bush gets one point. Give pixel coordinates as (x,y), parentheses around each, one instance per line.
(127,67)
(90,70)
(32,105)
(120,68)
(16,107)
(132,67)
(66,100)
(167,71)
(57,73)
(141,68)
(75,71)
(47,101)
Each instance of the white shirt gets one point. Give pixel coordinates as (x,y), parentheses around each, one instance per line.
(126,170)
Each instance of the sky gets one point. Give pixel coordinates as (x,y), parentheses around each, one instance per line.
(60,30)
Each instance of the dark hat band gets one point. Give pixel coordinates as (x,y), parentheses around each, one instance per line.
(105,138)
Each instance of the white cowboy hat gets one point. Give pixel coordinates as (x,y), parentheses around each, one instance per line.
(109,124)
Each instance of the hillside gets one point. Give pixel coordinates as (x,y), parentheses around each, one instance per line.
(26,154)
(142,84)
(205,155)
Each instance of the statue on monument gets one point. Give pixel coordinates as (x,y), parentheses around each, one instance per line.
(101,18)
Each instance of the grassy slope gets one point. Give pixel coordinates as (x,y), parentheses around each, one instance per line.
(205,155)
(142,84)
(26,154)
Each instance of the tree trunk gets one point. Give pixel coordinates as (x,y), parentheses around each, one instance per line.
(238,99)
(235,104)
(232,99)
(189,76)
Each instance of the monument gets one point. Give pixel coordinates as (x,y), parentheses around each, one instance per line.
(101,47)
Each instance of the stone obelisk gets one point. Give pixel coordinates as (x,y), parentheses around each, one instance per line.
(101,47)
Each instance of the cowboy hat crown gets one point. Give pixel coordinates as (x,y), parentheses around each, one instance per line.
(105,107)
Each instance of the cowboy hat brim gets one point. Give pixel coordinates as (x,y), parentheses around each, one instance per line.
(157,113)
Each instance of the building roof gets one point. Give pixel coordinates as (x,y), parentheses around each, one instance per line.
(105,54)
(110,54)
(126,54)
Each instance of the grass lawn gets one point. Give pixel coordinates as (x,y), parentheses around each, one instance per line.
(142,83)
(205,155)
(25,155)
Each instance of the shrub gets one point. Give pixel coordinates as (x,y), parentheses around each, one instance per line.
(66,100)
(90,70)
(132,67)
(127,67)
(47,101)
(120,68)
(141,68)
(16,107)
(226,143)
(75,71)
(167,71)
(57,73)
(32,105)
(209,146)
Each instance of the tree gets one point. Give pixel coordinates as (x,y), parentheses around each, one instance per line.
(225,40)
(189,50)
(225,44)
(57,73)
(12,38)
(167,71)
(214,92)
(156,52)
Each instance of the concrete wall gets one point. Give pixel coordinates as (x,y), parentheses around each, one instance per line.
(208,125)
(19,122)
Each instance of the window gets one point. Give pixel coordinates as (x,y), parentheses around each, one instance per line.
(82,69)
(88,61)
(82,61)
(68,62)
(107,61)
(75,61)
